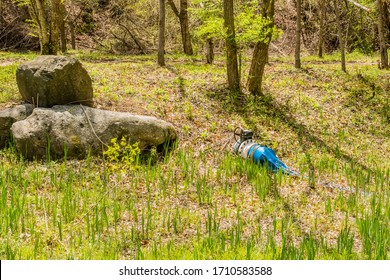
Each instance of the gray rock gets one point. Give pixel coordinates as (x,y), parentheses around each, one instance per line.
(68,127)
(50,80)
(8,117)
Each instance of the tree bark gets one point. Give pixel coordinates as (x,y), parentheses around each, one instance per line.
(47,16)
(62,27)
(38,12)
(386,14)
(184,24)
(256,72)
(298,36)
(231,48)
(340,36)
(210,51)
(161,35)
(260,53)
(1,13)
(322,27)
(54,28)
(382,41)
(72,34)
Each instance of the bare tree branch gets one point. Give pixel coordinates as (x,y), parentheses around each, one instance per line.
(359,5)
(174,8)
(135,39)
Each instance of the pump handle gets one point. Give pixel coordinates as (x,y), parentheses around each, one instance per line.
(243,134)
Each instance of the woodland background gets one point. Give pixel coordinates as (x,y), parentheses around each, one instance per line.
(130,26)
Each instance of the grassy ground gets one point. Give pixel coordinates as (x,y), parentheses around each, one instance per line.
(200,201)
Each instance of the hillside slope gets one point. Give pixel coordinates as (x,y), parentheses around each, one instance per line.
(201,201)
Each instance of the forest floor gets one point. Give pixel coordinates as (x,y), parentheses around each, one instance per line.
(201,201)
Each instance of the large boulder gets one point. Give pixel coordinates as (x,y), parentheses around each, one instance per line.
(8,117)
(81,131)
(50,80)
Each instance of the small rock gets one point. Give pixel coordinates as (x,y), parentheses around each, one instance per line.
(8,117)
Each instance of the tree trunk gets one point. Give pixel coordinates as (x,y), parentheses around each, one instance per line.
(47,16)
(340,36)
(256,72)
(1,13)
(54,31)
(161,35)
(321,35)
(72,34)
(298,36)
(38,12)
(386,14)
(185,30)
(260,53)
(61,25)
(231,48)
(210,51)
(184,24)
(382,41)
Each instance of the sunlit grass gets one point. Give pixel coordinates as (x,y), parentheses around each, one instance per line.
(4,56)
(200,201)
(8,87)
(66,210)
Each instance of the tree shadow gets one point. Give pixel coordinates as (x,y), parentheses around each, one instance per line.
(272,113)
(377,102)
(305,136)
(365,92)
(275,114)
(180,79)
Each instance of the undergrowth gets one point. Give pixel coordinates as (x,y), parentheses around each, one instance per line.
(122,154)
(200,201)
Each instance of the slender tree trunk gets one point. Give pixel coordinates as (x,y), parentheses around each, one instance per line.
(72,34)
(38,11)
(256,72)
(184,24)
(185,30)
(260,53)
(298,36)
(322,27)
(62,25)
(1,12)
(54,31)
(210,51)
(161,35)
(386,14)
(231,48)
(382,41)
(340,36)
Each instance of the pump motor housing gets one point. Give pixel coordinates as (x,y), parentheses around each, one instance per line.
(247,148)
